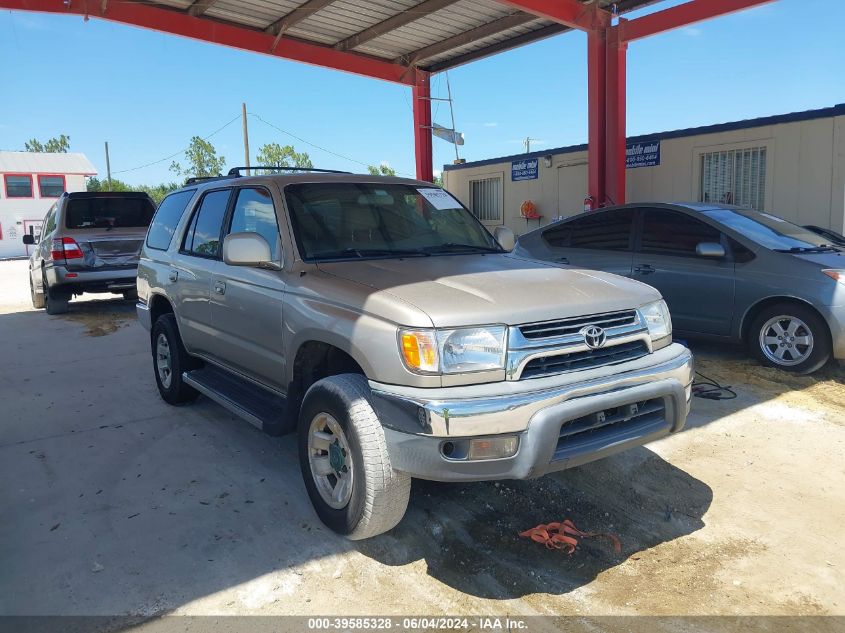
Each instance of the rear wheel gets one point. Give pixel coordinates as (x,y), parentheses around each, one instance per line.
(55,300)
(344,460)
(170,359)
(37,297)
(791,337)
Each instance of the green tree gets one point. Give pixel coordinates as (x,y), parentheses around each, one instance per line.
(275,155)
(381,170)
(158,192)
(438,180)
(95,184)
(202,160)
(55,145)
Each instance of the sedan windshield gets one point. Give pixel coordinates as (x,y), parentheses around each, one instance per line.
(771,231)
(375,220)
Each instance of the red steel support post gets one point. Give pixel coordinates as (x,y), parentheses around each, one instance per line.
(616,110)
(597,115)
(421,92)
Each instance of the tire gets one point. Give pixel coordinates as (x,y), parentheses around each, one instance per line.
(55,301)
(37,297)
(165,340)
(130,295)
(791,337)
(378,495)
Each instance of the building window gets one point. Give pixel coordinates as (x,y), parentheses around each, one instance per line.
(51,186)
(735,177)
(18,185)
(485,199)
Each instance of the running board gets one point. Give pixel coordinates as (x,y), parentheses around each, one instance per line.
(245,399)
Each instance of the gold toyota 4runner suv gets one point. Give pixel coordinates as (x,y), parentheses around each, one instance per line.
(379,319)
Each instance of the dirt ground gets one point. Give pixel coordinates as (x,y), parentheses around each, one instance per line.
(115,503)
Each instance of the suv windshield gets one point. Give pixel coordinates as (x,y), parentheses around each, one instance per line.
(379,220)
(770,231)
(109,213)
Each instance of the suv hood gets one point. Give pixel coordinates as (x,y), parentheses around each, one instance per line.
(460,290)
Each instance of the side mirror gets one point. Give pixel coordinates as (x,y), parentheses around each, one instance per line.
(505,237)
(247,249)
(710,249)
(28,239)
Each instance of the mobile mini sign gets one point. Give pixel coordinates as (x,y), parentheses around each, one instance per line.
(642,155)
(524,169)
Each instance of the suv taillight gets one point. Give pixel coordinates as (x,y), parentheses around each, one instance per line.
(65,248)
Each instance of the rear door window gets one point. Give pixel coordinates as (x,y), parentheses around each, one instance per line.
(108,213)
(203,236)
(167,218)
(667,232)
(602,230)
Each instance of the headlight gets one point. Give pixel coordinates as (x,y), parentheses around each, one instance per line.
(453,351)
(656,317)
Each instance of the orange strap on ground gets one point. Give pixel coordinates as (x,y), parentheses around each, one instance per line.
(562,536)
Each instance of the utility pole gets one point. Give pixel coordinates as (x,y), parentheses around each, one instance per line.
(246,140)
(108,167)
(527,144)
(452,112)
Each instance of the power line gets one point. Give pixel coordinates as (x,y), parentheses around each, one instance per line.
(161,160)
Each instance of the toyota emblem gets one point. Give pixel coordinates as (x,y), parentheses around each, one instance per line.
(594,336)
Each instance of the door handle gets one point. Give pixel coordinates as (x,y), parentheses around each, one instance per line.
(174,275)
(220,287)
(644,269)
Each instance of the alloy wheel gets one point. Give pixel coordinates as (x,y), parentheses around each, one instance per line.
(330,460)
(786,340)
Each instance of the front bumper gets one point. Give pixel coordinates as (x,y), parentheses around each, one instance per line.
(419,421)
(100,280)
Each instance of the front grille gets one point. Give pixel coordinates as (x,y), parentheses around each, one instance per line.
(548,365)
(564,327)
(601,429)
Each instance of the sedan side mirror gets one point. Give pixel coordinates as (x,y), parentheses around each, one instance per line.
(28,239)
(710,249)
(505,237)
(247,249)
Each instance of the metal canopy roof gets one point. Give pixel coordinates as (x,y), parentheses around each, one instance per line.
(431,35)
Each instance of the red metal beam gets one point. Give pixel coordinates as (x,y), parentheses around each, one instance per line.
(421,94)
(679,16)
(597,115)
(614,179)
(571,13)
(205,29)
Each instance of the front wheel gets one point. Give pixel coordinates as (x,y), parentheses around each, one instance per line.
(37,297)
(791,337)
(344,460)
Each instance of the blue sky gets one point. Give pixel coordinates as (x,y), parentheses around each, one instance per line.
(147,93)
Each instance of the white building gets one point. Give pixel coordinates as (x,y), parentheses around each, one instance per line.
(29,183)
(792,165)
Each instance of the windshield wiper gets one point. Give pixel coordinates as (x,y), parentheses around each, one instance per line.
(457,246)
(370,252)
(822,248)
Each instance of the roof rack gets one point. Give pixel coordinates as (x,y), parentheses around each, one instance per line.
(197,179)
(236,171)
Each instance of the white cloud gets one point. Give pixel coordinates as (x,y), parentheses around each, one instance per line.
(693,31)
(491,124)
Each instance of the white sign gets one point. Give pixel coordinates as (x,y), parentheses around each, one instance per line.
(439,199)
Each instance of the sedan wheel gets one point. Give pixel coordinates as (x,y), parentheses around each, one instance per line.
(330,459)
(786,340)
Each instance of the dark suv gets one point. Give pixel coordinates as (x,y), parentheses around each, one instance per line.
(90,242)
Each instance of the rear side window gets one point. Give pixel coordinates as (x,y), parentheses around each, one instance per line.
(203,237)
(668,232)
(603,230)
(108,213)
(166,218)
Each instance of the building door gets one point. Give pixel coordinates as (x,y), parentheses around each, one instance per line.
(571,188)
(33,228)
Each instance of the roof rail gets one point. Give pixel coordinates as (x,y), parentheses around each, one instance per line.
(193,180)
(236,171)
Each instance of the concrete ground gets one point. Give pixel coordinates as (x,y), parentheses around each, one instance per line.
(112,502)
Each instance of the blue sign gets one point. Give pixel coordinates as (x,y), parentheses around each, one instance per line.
(524,169)
(642,155)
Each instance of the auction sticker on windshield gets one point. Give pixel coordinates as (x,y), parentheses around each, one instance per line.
(439,199)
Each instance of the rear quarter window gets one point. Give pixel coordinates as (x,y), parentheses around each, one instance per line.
(167,218)
(108,213)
